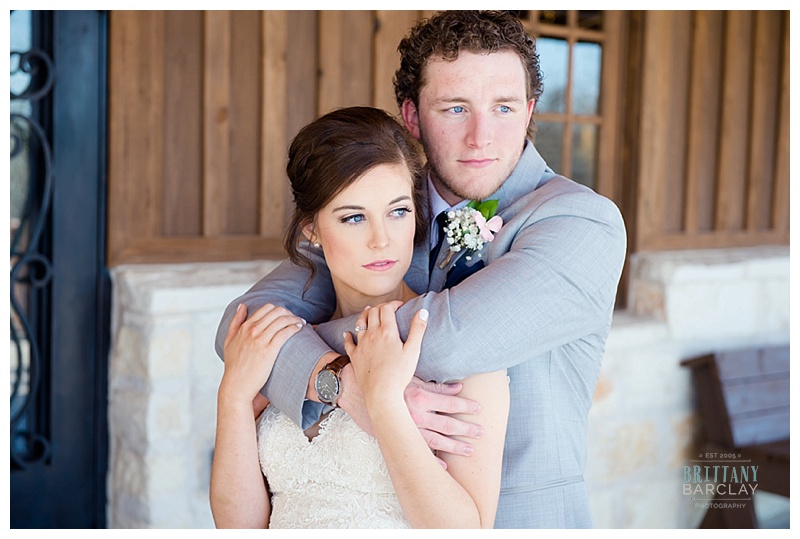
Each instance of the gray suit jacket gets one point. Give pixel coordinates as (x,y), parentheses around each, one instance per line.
(541,308)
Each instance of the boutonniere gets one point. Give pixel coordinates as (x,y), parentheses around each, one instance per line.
(470,227)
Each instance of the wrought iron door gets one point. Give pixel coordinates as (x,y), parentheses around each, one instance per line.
(59,285)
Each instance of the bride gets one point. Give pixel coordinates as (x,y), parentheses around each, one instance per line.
(355,179)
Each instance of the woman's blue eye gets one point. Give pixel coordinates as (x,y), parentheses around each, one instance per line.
(357,218)
(400,212)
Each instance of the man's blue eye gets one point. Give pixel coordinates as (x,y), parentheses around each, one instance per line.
(458,108)
(505,108)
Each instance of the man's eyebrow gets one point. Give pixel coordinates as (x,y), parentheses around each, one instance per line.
(456,99)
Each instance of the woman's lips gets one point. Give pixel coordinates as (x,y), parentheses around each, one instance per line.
(380,265)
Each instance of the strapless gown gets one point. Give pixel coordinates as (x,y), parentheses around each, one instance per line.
(337,480)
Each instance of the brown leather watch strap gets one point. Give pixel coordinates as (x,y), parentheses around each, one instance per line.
(337,364)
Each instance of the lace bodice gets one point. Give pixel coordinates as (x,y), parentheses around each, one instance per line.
(336,480)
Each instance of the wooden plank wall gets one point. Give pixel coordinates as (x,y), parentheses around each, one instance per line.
(713,145)
(202,107)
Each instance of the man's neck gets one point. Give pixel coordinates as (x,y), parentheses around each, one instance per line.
(437,202)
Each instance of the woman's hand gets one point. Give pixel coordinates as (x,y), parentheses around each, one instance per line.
(251,347)
(383,363)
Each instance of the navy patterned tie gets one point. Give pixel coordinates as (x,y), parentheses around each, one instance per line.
(441,222)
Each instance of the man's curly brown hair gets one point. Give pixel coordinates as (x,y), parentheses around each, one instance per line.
(447,33)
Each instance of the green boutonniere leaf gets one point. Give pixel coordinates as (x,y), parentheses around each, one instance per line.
(487,208)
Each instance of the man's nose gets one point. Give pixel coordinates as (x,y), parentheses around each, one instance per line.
(479,131)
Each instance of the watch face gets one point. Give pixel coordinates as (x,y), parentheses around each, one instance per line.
(327,386)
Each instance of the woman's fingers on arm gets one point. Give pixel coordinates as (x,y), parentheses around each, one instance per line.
(349,344)
(373,318)
(237,321)
(417,330)
(283,330)
(269,320)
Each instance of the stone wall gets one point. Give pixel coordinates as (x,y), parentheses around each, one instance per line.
(163,376)
(163,379)
(642,424)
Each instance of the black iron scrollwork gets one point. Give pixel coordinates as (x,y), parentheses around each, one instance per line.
(31,270)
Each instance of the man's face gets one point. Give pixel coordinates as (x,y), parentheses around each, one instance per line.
(472,121)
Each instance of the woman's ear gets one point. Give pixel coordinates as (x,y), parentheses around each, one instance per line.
(308,232)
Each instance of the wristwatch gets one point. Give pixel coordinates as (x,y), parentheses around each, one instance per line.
(327,384)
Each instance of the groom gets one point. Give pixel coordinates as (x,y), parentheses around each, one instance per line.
(538,301)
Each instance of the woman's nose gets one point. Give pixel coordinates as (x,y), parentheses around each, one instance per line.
(379,238)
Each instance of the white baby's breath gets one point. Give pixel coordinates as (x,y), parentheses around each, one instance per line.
(462,231)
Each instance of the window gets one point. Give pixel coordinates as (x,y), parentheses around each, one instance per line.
(571,115)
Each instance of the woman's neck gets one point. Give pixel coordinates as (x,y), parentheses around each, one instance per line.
(351,303)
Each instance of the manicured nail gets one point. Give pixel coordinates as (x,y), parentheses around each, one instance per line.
(423,314)
(304,321)
(239,308)
(468,450)
(300,325)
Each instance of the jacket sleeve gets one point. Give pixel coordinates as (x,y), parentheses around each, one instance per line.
(556,283)
(286,286)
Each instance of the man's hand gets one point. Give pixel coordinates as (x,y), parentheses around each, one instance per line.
(431,404)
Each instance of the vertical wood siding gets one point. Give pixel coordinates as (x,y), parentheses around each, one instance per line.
(203,105)
(713,151)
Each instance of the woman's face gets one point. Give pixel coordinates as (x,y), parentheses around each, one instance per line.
(367,235)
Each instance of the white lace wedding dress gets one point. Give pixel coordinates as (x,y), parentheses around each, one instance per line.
(336,480)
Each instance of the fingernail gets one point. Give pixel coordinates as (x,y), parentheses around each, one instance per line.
(423,315)
(478,432)
(300,325)
(344,335)
(239,308)
(367,307)
(468,450)
(476,408)
(304,321)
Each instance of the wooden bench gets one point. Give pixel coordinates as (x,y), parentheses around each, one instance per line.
(743,404)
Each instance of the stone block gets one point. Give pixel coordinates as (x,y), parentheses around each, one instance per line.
(167,474)
(169,413)
(129,473)
(127,418)
(169,351)
(704,310)
(128,354)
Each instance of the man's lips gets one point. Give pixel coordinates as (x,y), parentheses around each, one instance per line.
(477,163)
(380,265)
